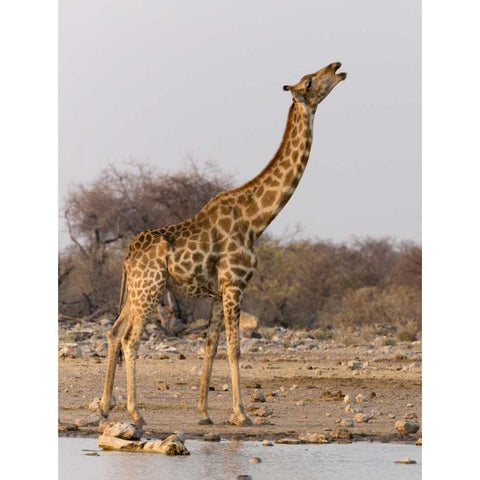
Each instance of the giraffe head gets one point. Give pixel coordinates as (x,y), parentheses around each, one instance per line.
(314,87)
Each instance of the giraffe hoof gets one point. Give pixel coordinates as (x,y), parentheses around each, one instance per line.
(205,421)
(243,421)
(138,420)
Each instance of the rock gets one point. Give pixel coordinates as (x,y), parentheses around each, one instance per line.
(181,356)
(127,431)
(410,416)
(353,364)
(245,365)
(290,441)
(90,421)
(346,422)
(95,405)
(92,454)
(414,365)
(407,461)
(354,408)
(406,426)
(372,395)
(171,350)
(314,438)
(70,350)
(348,399)
(418,443)
(327,395)
(244,477)
(163,386)
(342,433)
(258,411)
(82,334)
(301,403)
(225,387)
(181,435)
(248,321)
(261,421)
(267,443)
(172,445)
(211,437)
(67,427)
(253,385)
(255,460)
(360,398)
(257,396)
(362,417)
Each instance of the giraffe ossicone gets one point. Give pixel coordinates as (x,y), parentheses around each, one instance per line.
(212,254)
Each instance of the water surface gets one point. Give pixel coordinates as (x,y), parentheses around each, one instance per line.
(228,459)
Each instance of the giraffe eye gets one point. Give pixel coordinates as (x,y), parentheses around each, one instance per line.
(308,84)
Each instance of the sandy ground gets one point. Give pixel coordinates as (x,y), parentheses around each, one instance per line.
(388,379)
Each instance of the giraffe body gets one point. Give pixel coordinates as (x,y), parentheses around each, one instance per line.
(212,254)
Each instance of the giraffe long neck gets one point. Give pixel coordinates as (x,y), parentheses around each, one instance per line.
(266,194)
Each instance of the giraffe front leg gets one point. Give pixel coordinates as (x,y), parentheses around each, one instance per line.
(231,308)
(211,344)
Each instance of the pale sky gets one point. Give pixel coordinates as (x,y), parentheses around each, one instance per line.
(156,82)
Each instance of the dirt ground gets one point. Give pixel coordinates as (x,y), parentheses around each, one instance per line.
(389,378)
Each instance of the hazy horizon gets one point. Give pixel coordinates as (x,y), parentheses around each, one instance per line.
(156,83)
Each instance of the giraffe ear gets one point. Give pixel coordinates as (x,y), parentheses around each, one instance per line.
(286,87)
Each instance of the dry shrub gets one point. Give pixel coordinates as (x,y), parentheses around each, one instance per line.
(398,305)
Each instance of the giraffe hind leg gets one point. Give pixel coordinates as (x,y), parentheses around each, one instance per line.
(114,337)
(211,344)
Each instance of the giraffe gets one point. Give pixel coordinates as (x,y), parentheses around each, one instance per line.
(212,254)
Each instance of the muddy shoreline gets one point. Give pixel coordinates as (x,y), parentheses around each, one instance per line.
(304,385)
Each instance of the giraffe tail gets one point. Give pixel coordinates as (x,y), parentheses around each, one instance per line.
(123,289)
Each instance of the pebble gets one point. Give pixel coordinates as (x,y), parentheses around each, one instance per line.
(360,398)
(314,438)
(257,396)
(289,441)
(301,403)
(255,460)
(342,433)
(225,387)
(362,417)
(261,421)
(70,350)
(418,443)
(267,443)
(354,364)
(406,461)
(346,422)
(406,426)
(211,437)
(90,421)
(244,477)
(348,399)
